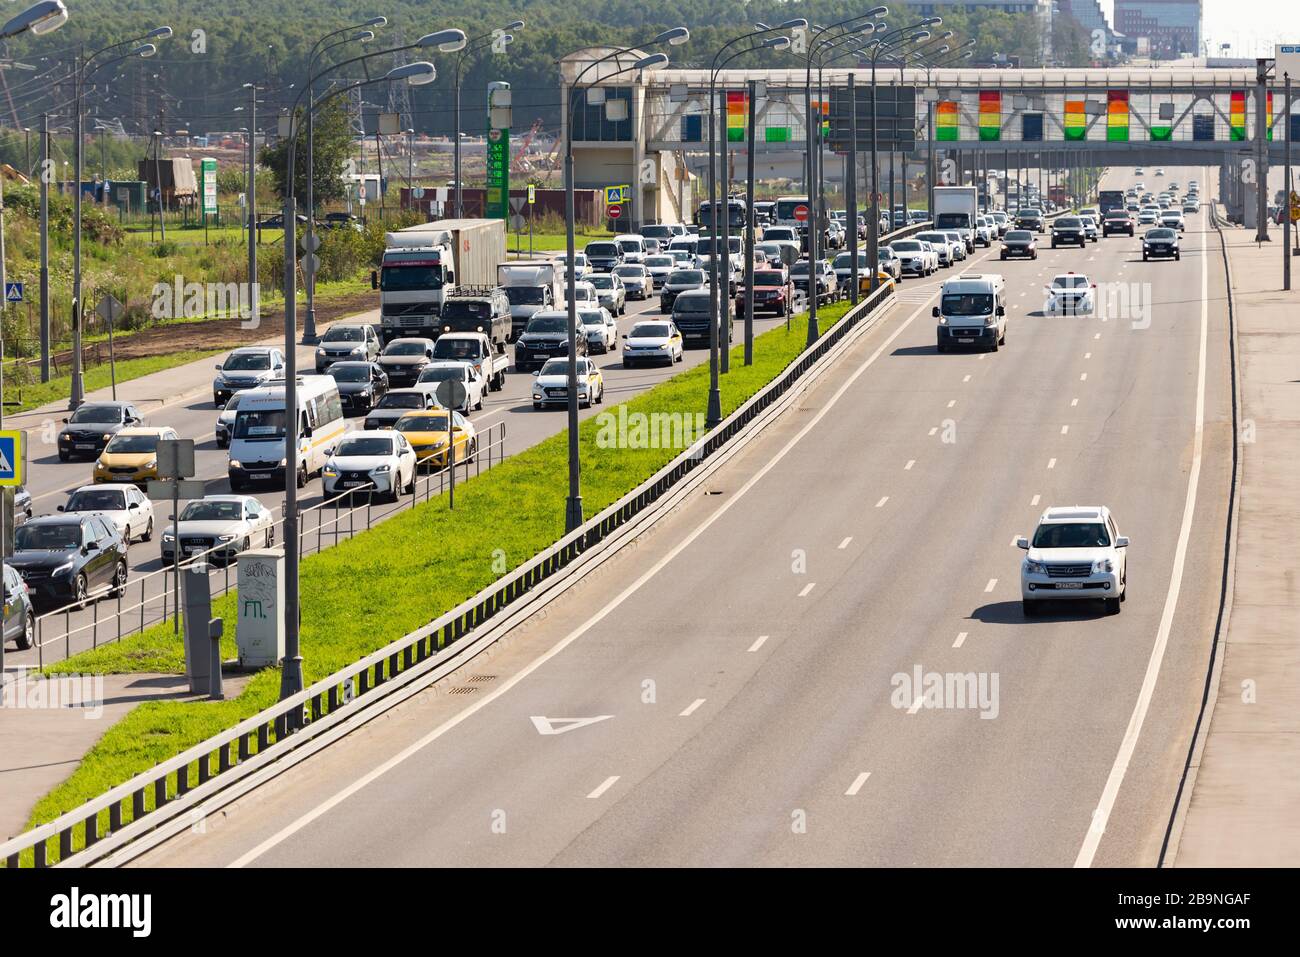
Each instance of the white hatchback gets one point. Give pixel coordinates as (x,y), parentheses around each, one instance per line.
(1075,553)
(381,462)
(1070,294)
(128,508)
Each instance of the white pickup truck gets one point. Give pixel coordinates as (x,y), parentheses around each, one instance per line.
(476,349)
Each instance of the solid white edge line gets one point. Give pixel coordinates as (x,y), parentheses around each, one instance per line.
(338,798)
(1092,840)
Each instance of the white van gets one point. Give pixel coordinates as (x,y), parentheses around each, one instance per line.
(257,450)
(633,247)
(972,311)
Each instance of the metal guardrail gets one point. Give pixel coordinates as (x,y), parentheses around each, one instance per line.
(275,729)
(325,521)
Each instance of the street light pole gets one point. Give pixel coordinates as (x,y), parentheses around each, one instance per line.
(749,224)
(45,247)
(473,43)
(254,287)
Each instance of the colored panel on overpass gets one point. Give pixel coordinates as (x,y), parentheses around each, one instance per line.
(945,120)
(1117,116)
(1269,110)
(990,115)
(1076,120)
(776,134)
(1237,115)
(737,115)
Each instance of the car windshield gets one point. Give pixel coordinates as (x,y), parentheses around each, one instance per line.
(205,511)
(769,279)
(602,281)
(365,445)
(97,413)
(96,500)
(649,330)
(408,347)
(400,277)
(685,277)
(47,538)
(344,334)
(691,304)
(845,260)
(422,423)
(592,319)
(1071,535)
(907,246)
(1069,222)
(466,309)
(349,373)
(967,304)
(628,271)
(132,443)
(246,362)
(602,249)
(1070,282)
(443,374)
(401,400)
(259,424)
(1019,236)
(525,295)
(659,262)
(447,348)
(547,324)
(1160,234)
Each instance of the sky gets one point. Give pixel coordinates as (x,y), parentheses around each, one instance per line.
(1251,26)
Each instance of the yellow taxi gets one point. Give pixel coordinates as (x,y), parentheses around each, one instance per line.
(427,431)
(864,281)
(132,455)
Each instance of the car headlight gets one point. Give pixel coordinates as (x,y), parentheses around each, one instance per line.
(1103,565)
(320,353)
(536,395)
(107,436)
(225,538)
(284,463)
(63,569)
(168,537)
(381,469)
(330,470)
(943,320)
(1035,568)
(358,350)
(234,464)
(151,464)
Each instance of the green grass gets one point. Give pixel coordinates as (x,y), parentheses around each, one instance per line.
(554,242)
(34,395)
(412,574)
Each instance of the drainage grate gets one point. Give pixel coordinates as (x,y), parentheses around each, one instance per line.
(463,689)
(483,678)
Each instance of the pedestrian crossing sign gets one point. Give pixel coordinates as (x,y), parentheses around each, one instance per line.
(13,292)
(11,458)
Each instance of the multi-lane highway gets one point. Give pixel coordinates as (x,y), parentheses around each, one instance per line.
(740,688)
(193,416)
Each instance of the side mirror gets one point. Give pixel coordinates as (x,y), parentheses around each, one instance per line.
(935,312)
(374,279)
(58,508)
(1000,311)
(1121,541)
(65,421)
(89,547)
(1022,542)
(217,367)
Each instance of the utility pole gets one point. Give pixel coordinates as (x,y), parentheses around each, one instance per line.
(1261,149)
(749,223)
(253,288)
(1286,187)
(45,247)
(851,190)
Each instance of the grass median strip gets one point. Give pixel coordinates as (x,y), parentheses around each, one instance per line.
(369,590)
(34,395)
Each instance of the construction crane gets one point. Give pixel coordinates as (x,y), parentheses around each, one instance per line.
(517,164)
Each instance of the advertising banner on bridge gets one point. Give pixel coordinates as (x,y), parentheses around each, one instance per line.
(894,119)
(990,115)
(1117,116)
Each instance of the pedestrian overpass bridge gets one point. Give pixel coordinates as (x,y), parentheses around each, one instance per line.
(1161,116)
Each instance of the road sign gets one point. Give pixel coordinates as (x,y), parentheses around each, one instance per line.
(517,204)
(517,222)
(1295,207)
(310,242)
(13,292)
(109,309)
(613,194)
(164,490)
(11,458)
(614,211)
(311,264)
(801,213)
(451,394)
(532,194)
(625,193)
(175,458)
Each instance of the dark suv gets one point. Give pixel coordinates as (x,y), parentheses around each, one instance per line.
(1069,229)
(1160,242)
(691,315)
(69,558)
(87,430)
(1117,221)
(1030,219)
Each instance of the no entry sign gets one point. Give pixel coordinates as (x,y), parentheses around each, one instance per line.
(614,211)
(801,213)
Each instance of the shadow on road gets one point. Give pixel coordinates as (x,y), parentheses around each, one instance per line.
(1010,612)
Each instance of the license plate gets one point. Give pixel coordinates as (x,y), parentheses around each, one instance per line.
(84,445)
(965,339)
(256,476)
(352,484)
(1069,584)
(193,549)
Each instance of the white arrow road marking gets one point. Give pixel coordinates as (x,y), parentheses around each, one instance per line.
(561,725)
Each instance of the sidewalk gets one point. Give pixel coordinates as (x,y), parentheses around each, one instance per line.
(1245,801)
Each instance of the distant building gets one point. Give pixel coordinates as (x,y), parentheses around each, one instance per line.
(1040,9)
(1171,27)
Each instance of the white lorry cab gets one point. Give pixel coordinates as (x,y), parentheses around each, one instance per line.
(257,437)
(972,311)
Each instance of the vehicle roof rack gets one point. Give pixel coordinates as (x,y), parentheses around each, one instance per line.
(467,291)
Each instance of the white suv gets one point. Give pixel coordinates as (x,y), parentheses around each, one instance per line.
(1070,294)
(1076,552)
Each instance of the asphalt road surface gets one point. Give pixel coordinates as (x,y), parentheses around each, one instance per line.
(735,690)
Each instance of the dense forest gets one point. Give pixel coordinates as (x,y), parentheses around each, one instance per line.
(196,78)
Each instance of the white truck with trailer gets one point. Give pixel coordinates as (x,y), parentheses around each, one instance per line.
(957,207)
(425,263)
(972,311)
(531,286)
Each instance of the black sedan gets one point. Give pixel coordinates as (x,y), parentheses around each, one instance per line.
(1019,242)
(88,429)
(1160,243)
(361,385)
(404,359)
(69,559)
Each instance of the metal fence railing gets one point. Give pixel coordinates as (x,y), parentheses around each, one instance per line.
(124,812)
(319,526)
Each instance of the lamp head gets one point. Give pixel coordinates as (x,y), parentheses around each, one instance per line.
(447,41)
(144,50)
(40,18)
(159,33)
(376,22)
(415,74)
(674,37)
(655,61)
